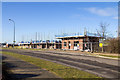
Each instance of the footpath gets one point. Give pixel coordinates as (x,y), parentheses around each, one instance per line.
(21,70)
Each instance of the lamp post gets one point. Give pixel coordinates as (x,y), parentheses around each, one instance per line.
(14,32)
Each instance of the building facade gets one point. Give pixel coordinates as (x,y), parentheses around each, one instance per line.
(41,44)
(78,41)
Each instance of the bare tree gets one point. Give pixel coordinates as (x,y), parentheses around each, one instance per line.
(103,30)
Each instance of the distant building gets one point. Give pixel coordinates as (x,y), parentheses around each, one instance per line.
(41,44)
(3,44)
(7,45)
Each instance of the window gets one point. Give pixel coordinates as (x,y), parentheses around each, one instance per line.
(65,44)
(76,43)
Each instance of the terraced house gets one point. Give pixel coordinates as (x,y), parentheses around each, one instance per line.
(39,44)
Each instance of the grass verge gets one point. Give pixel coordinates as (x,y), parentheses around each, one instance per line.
(29,49)
(58,69)
(111,56)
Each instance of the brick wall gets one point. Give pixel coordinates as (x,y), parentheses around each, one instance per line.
(72,44)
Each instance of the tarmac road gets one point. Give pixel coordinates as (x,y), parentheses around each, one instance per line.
(107,68)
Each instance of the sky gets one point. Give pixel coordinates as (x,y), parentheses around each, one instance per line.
(52,18)
(60,0)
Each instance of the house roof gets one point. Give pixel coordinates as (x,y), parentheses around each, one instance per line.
(76,35)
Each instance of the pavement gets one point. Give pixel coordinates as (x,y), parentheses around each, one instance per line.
(107,68)
(22,70)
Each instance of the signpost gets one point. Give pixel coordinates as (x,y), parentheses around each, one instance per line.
(101,45)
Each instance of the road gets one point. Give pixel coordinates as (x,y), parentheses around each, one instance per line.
(102,67)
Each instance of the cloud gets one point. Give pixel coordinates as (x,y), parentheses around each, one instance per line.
(102,11)
(115,17)
(81,16)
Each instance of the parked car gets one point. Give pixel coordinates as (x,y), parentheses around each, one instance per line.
(87,50)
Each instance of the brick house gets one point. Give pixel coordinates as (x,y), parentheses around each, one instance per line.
(78,41)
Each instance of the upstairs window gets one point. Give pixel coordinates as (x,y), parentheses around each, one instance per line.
(65,44)
(76,43)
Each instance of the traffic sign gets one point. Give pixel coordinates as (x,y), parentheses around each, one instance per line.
(101,44)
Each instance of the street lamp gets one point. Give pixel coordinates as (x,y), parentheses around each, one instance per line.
(14,32)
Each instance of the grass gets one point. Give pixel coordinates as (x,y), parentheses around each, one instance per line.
(29,49)
(58,69)
(36,49)
(110,56)
(62,51)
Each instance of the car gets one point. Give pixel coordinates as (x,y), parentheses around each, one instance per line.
(87,50)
